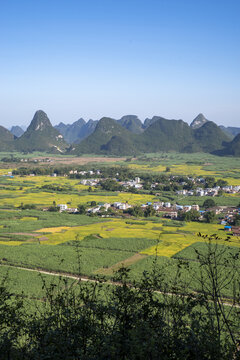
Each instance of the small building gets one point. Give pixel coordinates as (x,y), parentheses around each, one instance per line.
(187,208)
(227,228)
(63,207)
(171,214)
(167,204)
(195,207)
(106,206)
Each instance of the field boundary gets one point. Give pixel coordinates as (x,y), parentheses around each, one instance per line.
(88,279)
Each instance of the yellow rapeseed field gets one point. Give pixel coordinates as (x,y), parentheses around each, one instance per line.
(113,228)
(189,169)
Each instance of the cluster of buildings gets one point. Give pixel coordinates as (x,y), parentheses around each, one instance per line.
(90,172)
(209,191)
(136,183)
(64,207)
(105,206)
(90,182)
(27,160)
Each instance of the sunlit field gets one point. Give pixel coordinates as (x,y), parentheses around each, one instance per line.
(197,164)
(55,242)
(29,192)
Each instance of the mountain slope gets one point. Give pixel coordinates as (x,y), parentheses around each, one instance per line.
(210,137)
(41,136)
(148,122)
(105,139)
(165,135)
(231,148)
(71,132)
(6,139)
(131,123)
(17,131)
(234,146)
(162,135)
(86,130)
(199,121)
(230,130)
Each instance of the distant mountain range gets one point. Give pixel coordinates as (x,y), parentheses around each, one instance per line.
(161,135)
(76,132)
(126,136)
(232,131)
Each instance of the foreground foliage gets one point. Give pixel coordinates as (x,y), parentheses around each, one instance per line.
(151,319)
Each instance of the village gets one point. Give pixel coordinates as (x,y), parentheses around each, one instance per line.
(97,180)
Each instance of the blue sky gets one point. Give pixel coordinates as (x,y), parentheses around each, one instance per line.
(95,58)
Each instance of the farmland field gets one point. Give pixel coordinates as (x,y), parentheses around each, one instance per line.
(69,243)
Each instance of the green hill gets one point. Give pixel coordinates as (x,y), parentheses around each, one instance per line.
(231,148)
(210,137)
(131,123)
(110,137)
(41,136)
(165,135)
(105,139)
(127,136)
(6,139)
(234,146)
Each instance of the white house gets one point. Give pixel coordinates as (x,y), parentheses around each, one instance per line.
(167,204)
(62,207)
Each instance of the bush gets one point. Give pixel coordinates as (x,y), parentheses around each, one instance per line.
(209,203)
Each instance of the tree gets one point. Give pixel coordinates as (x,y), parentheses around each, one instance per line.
(209,203)
(220,192)
(191,215)
(221,182)
(209,216)
(93,203)
(111,185)
(12,322)
(209,181)
(54,208)
(136,211)
(81,209)
(237,220)
(149,211)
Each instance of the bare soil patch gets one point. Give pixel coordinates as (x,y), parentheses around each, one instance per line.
(127,262)
(43,238)
(85,160)
(23,233)
(55,160)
